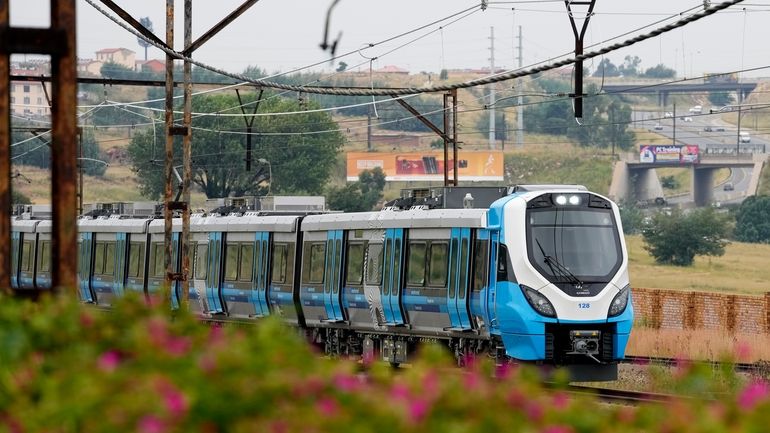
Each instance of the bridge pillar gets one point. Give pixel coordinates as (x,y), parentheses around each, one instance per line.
(646,185)
(703,186)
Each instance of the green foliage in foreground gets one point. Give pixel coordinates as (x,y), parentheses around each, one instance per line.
(67,368)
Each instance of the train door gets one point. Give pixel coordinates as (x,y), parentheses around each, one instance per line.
(333,272)
(27,265)
(214,270)
(200,267)
(459,253)
(85,265)
(313,284)
(490,304)
(136,268)
(43,261)
(156,277)
(238,281)
(280,259)
(480,278)
(103,275)
(258,294)
(394,251)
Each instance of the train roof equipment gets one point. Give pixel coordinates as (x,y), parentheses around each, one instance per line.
(412,218)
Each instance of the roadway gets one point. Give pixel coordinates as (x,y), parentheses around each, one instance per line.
(721,141)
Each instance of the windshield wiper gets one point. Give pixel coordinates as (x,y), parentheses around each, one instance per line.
(557,269)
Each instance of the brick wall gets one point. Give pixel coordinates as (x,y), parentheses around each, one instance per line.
(671,309)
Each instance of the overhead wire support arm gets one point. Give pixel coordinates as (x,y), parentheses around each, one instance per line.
(133,22)
(579,38)
(249,123)
(218,27)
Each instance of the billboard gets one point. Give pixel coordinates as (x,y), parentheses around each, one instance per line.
(428,165)
(674,154)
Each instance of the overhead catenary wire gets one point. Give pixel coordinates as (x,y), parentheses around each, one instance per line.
(435,88)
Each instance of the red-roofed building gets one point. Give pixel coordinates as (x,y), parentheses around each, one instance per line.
(153,65)
(121,56)
(390,69)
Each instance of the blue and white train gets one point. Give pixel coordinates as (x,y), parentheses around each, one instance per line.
(538,274)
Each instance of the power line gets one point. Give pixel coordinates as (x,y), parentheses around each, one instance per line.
(440,88)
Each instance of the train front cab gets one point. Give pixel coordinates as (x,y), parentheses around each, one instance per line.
(575,323)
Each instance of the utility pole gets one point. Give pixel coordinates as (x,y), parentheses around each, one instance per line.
(186,158)
(368,130)
(673,115)
(520,106)
(169,156)
(492,89)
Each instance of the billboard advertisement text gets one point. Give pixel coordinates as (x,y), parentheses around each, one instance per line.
(427,166)
(669,154)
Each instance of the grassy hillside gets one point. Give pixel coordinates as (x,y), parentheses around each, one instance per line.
(560,163)
(744,268)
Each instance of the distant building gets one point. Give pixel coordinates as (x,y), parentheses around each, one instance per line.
(154,65)
(390,69)
(90,66)
(28,97)
(121,56)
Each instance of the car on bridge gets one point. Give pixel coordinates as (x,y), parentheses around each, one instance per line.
(658,127)
(707,128)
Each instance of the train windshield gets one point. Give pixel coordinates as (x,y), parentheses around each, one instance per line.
(574,244)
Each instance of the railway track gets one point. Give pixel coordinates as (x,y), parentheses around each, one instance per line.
(758,368)
(621,396)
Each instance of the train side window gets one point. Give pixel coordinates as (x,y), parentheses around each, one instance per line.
(438,264)
(374,265)
(159,267)
(99,258)
(504,271)
(44,262)
(279,264)
(289,268)
(247,262)
(415,267)
(135,259)
(480,266)
(26,256)
(231,262)
(109,258)
(396,266)
(337,263)
(201,256)
(313,267)
(387,268)
(354,272)
(453,253)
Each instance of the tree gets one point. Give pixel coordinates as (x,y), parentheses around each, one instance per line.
(630,66)
(501,125)
(342,66)
(606,69)
(37,152)
(631,218)
(677,238)
(147,23)
(117,71)
(443,75)
(359,196)
(659,71)
(720,98)
(752,221)
(394,116)
(299,159)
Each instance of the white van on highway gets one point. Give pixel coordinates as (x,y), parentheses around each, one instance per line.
(744,137)
(696,109)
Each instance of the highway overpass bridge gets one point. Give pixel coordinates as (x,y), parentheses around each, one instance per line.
(638,181)
(663,90)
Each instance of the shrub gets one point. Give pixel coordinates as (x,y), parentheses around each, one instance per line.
(752,220)
(676,238)
(69,368)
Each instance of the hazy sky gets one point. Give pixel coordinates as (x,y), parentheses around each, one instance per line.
(285,34)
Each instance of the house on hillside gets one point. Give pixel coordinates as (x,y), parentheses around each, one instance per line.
(89,67)
(390,69)
(28,98)
(154,65)
(121,56)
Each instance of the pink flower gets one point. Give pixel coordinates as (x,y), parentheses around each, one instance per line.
(175,401)
(560,400)
(752,394)
(558,429)
(347,382)
(418,408)
(207,363)
(743,351)
(534,411)
(86,319)
(472,380)
(327,406)
(399,391)
(430,383)
(177,346)
(108,361)
(151,424)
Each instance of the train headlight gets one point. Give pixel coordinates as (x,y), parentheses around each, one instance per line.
(574,200)
(620,302)
(540,303)
(561,200)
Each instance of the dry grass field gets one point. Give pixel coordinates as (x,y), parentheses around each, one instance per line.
(744,269)
(698,344)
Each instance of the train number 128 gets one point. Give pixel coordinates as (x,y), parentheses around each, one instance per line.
(584,305)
